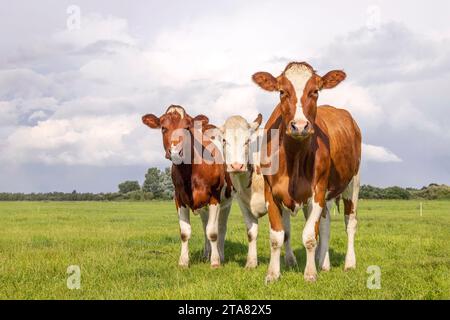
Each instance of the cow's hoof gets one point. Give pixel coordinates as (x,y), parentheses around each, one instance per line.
(291,261)
(326,266)
(251,264)
(349,267)
(350,263)
(310,277)
(272,277)
(215,265)
(183,264)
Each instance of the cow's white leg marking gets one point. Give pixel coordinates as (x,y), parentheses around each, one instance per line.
(251,223)
(185,234)
(276,242)
(309,241)
(252,233)
(252,256)
(212,232)
(322,252)
(289,257)
(350,258)
(351,193)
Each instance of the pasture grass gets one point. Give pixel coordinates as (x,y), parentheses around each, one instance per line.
(130,250)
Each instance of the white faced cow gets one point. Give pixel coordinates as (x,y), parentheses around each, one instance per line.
(242,159)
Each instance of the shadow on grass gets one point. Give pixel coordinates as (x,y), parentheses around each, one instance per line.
(237,252)
(336,259)
(234,252)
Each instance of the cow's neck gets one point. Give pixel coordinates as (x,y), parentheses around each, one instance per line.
(184,172)
(297,154)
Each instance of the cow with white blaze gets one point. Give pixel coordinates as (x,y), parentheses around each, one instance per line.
(319,151)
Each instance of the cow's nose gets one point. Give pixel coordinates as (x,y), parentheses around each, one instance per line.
(299,127)
(237,166)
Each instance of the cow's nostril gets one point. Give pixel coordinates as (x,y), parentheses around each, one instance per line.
(293,126)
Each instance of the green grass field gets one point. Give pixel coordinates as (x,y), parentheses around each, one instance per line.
(130,251)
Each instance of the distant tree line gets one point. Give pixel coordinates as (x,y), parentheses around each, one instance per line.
(158,186)
(433,191)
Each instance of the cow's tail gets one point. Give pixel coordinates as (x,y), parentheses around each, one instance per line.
(337,201)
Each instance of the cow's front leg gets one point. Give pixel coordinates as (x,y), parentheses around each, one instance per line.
(185,235)
(309,236)
(251,224)
(212,232)
(276,236)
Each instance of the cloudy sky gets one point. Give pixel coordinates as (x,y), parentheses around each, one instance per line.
(72,91)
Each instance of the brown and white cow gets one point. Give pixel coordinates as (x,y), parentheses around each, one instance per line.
(319,150)
(203,187)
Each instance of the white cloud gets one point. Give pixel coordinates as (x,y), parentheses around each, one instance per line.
(378,154)
(392,53)
(8,113)
(105,140)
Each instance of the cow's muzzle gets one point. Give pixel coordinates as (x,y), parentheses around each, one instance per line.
(300,129)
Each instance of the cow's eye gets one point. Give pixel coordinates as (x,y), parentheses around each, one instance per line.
(282,93)
(315,93)
(163,129)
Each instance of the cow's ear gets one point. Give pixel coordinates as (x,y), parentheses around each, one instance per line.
(266,81)
(332,79)
(151,120)
(255,124)
(204,119)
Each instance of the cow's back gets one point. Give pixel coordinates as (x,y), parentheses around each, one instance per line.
(345,145)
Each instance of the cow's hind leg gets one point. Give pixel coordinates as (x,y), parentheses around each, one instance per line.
(322,251)
(350,199)
(289,257)
(204,214)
